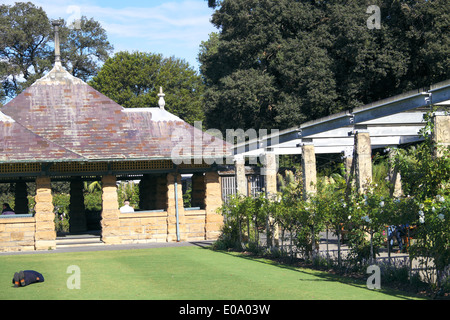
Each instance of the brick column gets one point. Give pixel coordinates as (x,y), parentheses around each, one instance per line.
(363,159)
(21,198)
(110,211)
(45,234)
(213,200)
(441,134)
(171,208)
(77,215)
(309,169)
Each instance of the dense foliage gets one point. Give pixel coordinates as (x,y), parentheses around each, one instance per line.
(362,217)
(133,80)
(26,50)
(279,63)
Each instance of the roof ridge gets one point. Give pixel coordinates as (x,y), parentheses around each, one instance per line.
(58,74)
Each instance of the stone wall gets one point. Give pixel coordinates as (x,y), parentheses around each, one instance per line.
(17,234)
(147,227)
(143,227)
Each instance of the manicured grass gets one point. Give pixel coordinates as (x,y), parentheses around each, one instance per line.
(190,273)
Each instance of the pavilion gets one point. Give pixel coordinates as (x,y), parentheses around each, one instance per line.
(61,129)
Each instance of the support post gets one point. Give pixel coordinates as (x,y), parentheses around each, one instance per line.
(45,234)
(309,169)
(394,176)
(213,200)
(441,134)
(110,211)
(176,226)
(270,171)
(239,171)
(363,159)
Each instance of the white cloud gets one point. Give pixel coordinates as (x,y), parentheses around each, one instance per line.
(173,28)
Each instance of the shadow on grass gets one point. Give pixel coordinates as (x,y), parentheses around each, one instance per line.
(320,275)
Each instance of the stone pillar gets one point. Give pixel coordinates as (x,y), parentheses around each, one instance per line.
(239,172)
(21,198)
(270,171)
(198,190)
(441,134)
(45,234)
(363,159)
(348,165)
(172,209)
(309,169)
(110,211)
(213,200)
(77,210)
(394,176)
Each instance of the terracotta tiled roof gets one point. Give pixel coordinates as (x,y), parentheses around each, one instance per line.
(20,144)
(61,118)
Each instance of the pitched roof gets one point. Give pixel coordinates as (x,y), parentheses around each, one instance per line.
(60,118)
(12,146)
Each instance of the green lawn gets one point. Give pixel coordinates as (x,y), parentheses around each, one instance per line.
(191,273)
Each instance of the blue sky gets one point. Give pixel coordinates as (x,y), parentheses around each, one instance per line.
(171,27)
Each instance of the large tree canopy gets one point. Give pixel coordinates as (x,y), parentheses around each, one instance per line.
(133,81)
(26,50)
(278,63)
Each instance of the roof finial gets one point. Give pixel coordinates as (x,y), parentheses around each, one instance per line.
(161,96)
(56,24)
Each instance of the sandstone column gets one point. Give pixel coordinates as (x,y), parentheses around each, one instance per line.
(394,176)
(363,159)
(213,200)
(45,235)
(441,134)
(241,180)
(309,169)
(348,165)
(21,198)
(172,209)
(110,211)
(77,215)
(270,171)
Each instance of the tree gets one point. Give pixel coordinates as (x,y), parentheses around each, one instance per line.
(133,81)
(24,50)
(26,53)
(310,59)
(84,49)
